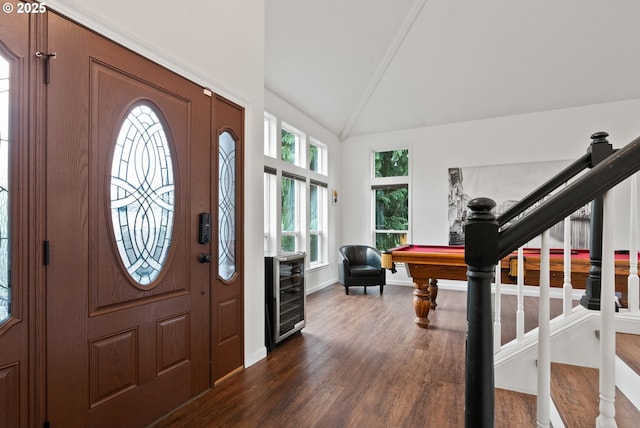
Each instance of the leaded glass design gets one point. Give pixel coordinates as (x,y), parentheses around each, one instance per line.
(4,190)
(226,206)
(142,194)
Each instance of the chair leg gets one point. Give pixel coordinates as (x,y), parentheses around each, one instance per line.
(365,289)
(381,289)
(346,290)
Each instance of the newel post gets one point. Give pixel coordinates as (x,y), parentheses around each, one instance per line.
(481,257)
(600,149)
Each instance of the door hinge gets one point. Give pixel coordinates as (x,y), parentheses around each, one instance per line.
(47,60)
(46,255)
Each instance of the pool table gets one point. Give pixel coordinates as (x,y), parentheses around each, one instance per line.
(428,263)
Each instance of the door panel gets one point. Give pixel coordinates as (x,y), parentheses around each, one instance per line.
(121,351)
(227,330)
(15,314)
(111,95)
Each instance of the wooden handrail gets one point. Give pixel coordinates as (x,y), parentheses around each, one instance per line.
(555,182)
(619,166)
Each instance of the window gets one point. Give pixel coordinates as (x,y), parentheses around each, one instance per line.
(226,206)
(393,163)
(290,214)
(4,191)
(290,146)
(295,192)
(391,216)
(317,214)
(269,135)
(390,192)
(317,157)
(269,209)
(142,194)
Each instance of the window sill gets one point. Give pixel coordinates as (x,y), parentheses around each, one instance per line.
(317,266)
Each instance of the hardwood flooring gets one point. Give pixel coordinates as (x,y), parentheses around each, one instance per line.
(361,362)
(575,392)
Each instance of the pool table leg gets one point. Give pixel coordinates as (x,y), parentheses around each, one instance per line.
(421,302)
(433,291)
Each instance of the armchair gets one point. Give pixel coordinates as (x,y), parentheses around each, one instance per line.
(360,266)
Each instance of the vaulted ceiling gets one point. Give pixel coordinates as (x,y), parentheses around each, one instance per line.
(366,66)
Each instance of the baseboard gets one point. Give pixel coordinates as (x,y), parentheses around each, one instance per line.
(256,356)
(320,286)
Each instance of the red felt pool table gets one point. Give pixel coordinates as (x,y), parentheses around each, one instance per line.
(428,263)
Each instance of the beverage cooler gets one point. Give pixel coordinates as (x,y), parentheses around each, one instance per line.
(285,296)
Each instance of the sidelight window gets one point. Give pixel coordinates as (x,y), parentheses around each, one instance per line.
(226,206)
(142,194)
(4,191)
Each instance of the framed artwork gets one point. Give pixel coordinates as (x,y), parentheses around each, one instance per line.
(506,185)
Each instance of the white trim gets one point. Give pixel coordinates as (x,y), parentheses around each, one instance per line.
(320,286)
(253,358)
(555,418)
(628,381)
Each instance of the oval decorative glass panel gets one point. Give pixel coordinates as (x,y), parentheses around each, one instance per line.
(5,295)
(226,206)
(142,194)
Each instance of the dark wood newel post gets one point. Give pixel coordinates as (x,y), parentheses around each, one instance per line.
(600,149)
(481,257)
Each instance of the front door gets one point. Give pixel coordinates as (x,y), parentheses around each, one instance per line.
(227,338)
(128,174)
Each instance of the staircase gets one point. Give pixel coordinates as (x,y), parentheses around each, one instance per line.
(574,371)
(544,361)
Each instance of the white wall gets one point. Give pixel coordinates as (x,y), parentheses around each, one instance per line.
(326,275)
(553,135)
(217,44)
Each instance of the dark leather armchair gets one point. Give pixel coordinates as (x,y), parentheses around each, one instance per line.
(360,266)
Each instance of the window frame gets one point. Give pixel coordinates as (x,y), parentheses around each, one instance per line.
(270,135)
(321,223)
(322,156)
(300,211)
(275,169)
(396,181)
(300,152)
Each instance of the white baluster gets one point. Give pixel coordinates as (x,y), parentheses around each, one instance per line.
(520,290)
(544,338)
(567,289)
(606,418)
(633,282)
(497,323)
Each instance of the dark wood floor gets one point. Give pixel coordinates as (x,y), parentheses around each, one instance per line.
(360,362)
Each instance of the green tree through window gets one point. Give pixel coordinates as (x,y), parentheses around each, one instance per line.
(289,146)
(392,164)
(391,200)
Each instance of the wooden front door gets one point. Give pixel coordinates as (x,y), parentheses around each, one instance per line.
(227,337)
(128,173)
(16,315)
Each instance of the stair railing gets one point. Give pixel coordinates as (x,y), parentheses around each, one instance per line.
(488,239)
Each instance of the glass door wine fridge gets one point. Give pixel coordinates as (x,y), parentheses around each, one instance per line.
(285,297)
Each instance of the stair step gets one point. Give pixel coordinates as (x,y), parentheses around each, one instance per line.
(575,392)
(514,409)
(628,349)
